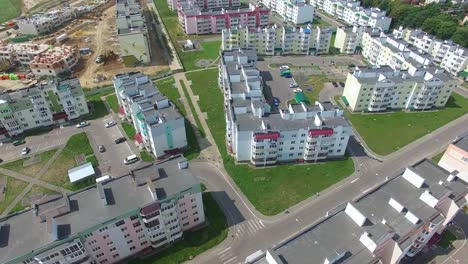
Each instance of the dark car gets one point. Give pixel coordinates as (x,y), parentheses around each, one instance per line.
(335,84)
(120,140)
(342,84)
(276,101)
(18,142)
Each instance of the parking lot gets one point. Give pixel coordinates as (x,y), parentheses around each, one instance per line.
(275,85)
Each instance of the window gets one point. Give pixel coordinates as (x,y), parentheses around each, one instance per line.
(293,142)
(130,241)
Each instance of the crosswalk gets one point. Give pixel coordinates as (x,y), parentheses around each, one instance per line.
(246,228)
(367,163)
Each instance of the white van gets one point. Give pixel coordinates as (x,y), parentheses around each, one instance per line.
(130,159)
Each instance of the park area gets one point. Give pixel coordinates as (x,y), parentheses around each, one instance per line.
(273,189)
(385,133)
(10,9)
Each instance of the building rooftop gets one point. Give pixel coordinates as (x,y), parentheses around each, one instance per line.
(24,232)
(462,143)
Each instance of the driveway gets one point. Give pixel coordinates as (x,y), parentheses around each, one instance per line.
(275,85)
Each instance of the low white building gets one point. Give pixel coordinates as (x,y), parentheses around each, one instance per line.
(258,133)
(132,32)
(295,11)
(275,40)
(348,39)
(41,105)
(382,89)
(159,125)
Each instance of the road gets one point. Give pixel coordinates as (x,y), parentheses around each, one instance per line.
(329,20)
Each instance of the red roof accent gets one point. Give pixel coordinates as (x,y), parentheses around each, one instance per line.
(121,110)
(173,151)
(321,132)
(270,135)
(138,138)
(61,115)
(150,208)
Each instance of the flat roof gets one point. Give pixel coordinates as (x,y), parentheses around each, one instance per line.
(81,172)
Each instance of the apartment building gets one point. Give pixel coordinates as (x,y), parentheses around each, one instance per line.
(198,21)
(294,11)
(44,23)
(203,4)
(159,125)
(43,59)
(132,32)
(276,40)
(353,14)
(381,89)
(348,39)
(40,105)
(118,217)
(445,53)
(260,134)
(394,220)
(455,158)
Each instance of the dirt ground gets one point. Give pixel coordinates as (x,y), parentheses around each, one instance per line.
(101,38)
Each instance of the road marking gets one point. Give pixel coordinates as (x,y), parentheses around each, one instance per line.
(230,260)
(224,250)
(355,180)
(252,227)
(225,254)
(241,229)
(261,223)
(257,224)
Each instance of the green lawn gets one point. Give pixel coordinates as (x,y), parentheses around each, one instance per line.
(57,173)
(129,130)
(10,9)
(386,133)
(321,23)
(100,109)
(35,192)
(32,169)
(13,188)
(210,51)
(192,108)
(197,242)
(274,189)
(193,148)
(113,103)
(166,86)
(317,82)
(93,159)
(437,157)
(145,156)
(447,239)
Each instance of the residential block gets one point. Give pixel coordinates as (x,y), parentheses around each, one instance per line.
(117,218)
(382,89)
(261,134)
(294,11)
(455,158)
(348,39)
(159,125)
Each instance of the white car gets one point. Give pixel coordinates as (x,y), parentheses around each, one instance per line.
(82,124)
(284,67)
(110,124)
(298,90)
(25,151)
(293,85)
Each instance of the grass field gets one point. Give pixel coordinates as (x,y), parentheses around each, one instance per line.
(113,103)
(386,133)
(13,188)
(129,130)
(10,9)
(210,51)
(192,108)
(100,109)
(33,169)
(318,83)
(197,242)
(447,239)
(274,189)
(57,173)
(145,156)
(437,157)
(36,191)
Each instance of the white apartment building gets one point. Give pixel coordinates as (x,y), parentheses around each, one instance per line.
(44,23)
(348,39)
(146,210)
(43,59)
(132,32)
(159,125)
(352,13)
(295,11)
(381,89)
(445,53)
(258,133)
(40,105)
(394,220)
(276,40)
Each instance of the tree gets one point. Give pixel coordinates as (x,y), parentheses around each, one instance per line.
(461,36)
(446,30)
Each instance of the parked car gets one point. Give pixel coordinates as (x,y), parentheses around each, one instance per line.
(25,151)
(342,84)
(298,90)
(293,85)
(335,84)
(130,159)
(101,148)
(82,124)
(1,160)
(288,76)
(285,72)
(276,101)
(19,142)
(120,140)
(284,67)
(110,124)
(99,59)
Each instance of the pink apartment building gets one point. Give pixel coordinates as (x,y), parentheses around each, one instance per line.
(455,158)
(197,21)
(109,222)
(205,4)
